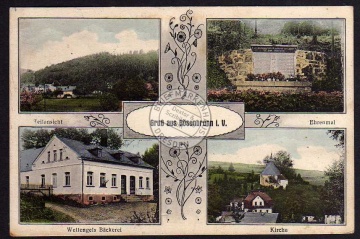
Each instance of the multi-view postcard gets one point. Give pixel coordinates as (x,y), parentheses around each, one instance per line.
(181,121)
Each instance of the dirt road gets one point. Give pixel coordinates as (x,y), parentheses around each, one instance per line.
(110,213)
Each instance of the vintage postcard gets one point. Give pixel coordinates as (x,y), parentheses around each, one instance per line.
(181,121)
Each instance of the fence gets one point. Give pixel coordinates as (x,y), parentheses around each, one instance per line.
(46,190)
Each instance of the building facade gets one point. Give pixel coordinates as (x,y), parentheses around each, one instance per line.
(272,177)
(88,174)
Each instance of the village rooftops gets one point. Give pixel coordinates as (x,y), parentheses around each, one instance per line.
(256,218)
(268,202)
(86,152)
(27,158)
(107,156)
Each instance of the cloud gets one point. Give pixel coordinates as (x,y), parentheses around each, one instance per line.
(315,158)
(310,157)
(81,44)
(249,155)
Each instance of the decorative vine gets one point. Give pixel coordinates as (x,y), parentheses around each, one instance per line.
(185,36)
(271,119)
(101,120)
(185,173)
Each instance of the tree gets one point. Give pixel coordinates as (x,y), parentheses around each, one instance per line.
(284,163)
(35,139)
(75,134)
(131,89)
(231,168)
(333,195)
(103,137)
(107,138)
(109,102)
(151,155)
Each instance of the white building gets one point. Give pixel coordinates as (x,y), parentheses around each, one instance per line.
(86,173)
(258,201)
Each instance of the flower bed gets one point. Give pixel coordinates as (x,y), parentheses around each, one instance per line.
(263,101)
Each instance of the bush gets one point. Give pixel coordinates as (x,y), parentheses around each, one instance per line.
(263,101)
(109,102)
(32,209)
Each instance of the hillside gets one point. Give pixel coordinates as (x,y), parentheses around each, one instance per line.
(314,177)
(98,72)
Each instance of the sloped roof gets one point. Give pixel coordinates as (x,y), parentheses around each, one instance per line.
(252,195)
(258,217)
(27,158)
(270,169)
(107,155)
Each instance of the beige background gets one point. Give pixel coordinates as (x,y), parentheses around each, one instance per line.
(344,120)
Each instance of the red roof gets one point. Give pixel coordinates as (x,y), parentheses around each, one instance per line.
(268,202)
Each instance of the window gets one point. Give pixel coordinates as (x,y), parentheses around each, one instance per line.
(140,182)
(255,203)
(55,155)
(113,180)
(48,156)
(147,182)
(123,184)
(27,178)
(67,179)
(103,198)
(99,153)
(115,198)
(260,203)
(61,155)
(42,180)
(103,180)
(89,179)
(90,198)
(54,180)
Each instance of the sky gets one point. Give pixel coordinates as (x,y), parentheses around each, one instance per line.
(50,41)
(310,149)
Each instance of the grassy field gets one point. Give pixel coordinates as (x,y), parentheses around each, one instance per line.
(314,177)
(68,105)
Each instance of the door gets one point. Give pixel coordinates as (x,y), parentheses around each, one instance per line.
(132,184)
(123,184)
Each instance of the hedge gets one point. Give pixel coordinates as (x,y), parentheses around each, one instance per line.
(265,101)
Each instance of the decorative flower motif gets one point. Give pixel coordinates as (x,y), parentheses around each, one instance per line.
(197,150)
(196,77)
(169,87)
(181,37)
(168,77)
(167,189)
(196,87)
(174,152)
(168,201)
(198,189)
(197,33)
(167,48)
(198,211)
(198,200)
(168,211)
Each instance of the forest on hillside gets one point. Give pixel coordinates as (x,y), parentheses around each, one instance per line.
(114,78)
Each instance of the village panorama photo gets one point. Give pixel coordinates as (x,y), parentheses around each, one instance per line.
(87,65)
(278,176)
(87,175)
